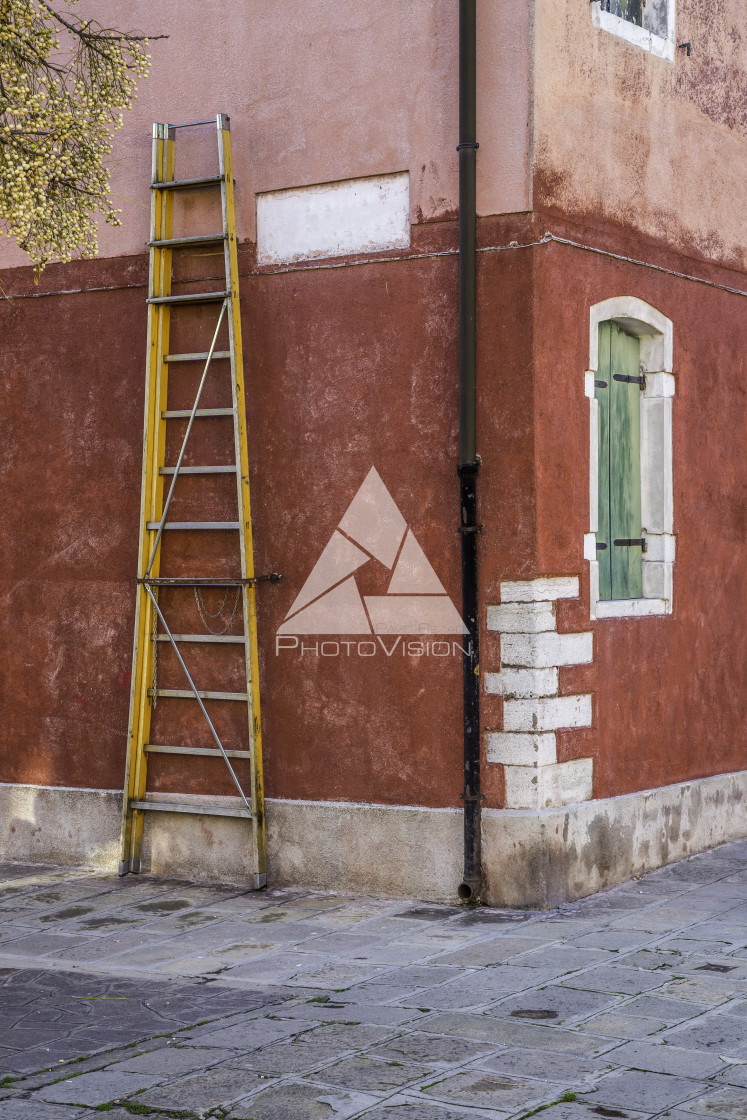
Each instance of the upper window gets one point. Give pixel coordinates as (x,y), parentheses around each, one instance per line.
(646,23)
(631,10)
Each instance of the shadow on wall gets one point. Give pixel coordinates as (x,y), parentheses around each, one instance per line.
(59,825)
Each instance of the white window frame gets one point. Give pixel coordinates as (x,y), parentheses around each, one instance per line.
(658,45)
(655,333)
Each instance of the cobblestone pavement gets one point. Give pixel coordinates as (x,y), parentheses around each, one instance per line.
(153,997)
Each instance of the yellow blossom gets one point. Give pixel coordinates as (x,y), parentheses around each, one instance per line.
(63,85)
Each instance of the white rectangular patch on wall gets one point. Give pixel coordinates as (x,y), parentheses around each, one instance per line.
(334,219)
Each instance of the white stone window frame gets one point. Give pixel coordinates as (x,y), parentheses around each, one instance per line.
(655,333)
(662,46)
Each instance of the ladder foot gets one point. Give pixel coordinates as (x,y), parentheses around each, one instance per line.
(124,867)
(260,881)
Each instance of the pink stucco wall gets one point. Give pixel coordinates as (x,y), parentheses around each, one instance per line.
(320,91)
(653,146)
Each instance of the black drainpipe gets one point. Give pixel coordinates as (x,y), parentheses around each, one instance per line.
(469,462)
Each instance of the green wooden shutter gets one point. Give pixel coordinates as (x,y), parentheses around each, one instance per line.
(620,575)
(602,394)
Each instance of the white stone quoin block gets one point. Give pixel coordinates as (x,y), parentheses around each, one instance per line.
(334,219)
(514,748)
(590,547)
(547,787)
(547,713)
(659,385)
(537,590)
(531,652)
(657,580)
(660,548)
(522,618)
(522,682)
(539,651)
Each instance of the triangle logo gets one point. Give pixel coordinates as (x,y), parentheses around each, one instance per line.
(372,528)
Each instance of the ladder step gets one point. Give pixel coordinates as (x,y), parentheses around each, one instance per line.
(193,525)
(196,581)
(199,470)
(201,413)
(188,184)
(188,242)
(196,810)
(200,357)
(204,752)
(198,297)
(228,639)
(188,694)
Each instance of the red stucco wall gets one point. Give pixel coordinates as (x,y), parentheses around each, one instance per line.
(348,368)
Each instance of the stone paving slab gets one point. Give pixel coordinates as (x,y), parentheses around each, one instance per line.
(731,1104)
(36,1110)
(493,1090)
(660,1058)
(554,1002)
(500,1032)
(570,1072)
(294,1004)
(722,1034)
(624,1026)
(296,1100)
(735,1075)
(95,1088)
(430,1049)
(419,1111)
(371,1074)
(644,1090)
(202,1093)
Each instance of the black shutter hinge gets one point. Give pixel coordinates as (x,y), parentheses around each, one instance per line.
(631,542)
(641,381)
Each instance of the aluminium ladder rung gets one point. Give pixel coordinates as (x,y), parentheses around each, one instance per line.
(192,124)
(204,752)
(200,470)
(187,184)
(185,807)
(196,581)
(188,694)
(201,413)
(193,525)
(197,297)
(188,242)
(228,639)
(199,357)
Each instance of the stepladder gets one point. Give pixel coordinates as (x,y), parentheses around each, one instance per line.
(194,744)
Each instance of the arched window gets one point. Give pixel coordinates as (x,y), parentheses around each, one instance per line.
(630,545)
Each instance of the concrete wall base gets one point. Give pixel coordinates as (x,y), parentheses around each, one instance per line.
(60,825)
(536,858)
(547,857)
